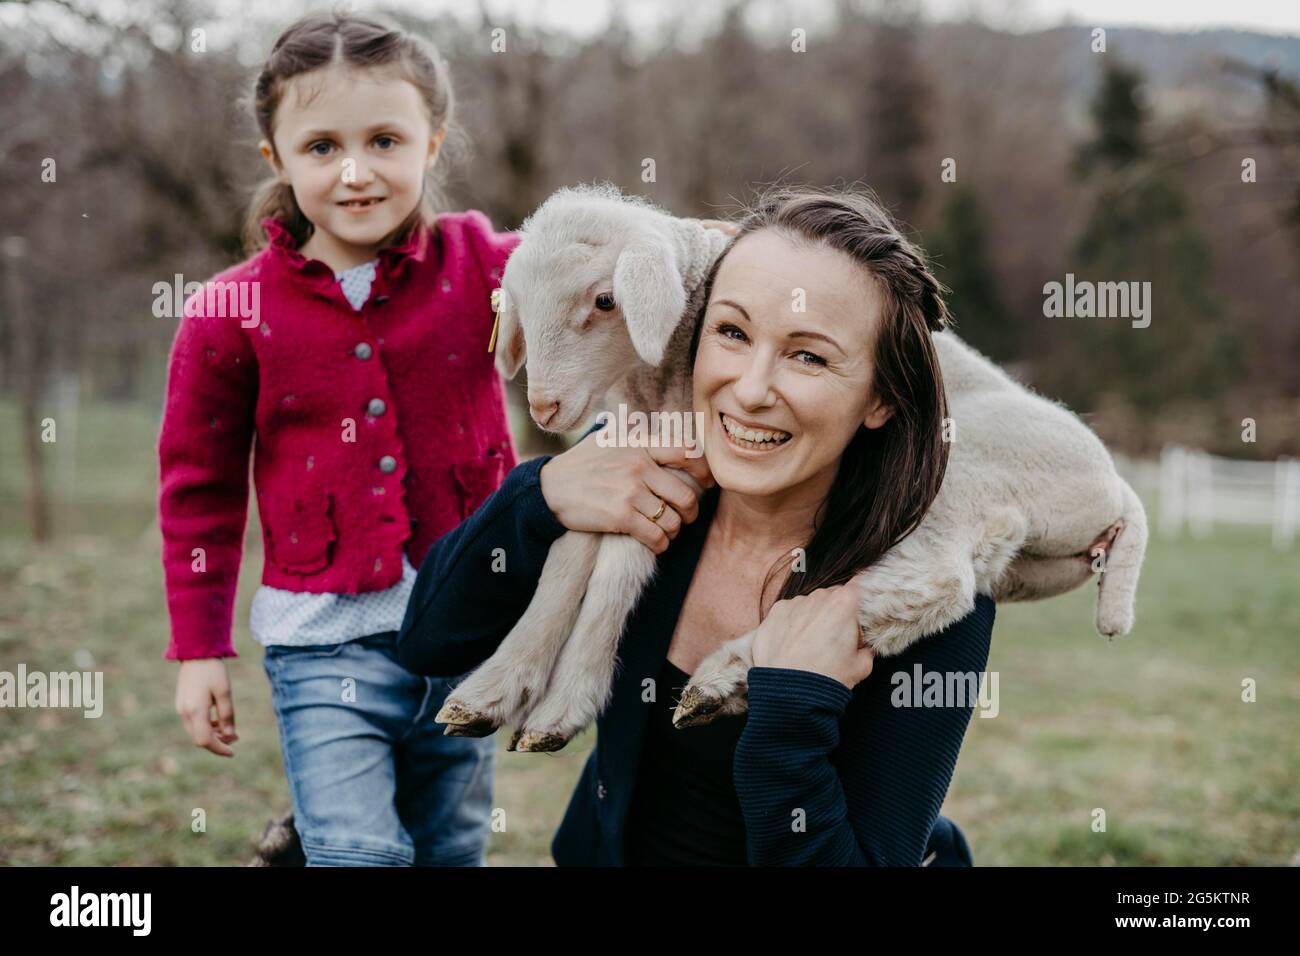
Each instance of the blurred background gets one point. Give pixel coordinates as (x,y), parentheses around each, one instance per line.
(1020,142)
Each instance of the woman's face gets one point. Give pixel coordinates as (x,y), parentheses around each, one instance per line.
(785,351)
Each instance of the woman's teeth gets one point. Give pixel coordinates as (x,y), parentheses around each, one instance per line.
(360,203)
(753,438)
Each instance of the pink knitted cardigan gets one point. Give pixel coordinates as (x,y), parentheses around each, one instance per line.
(377,430)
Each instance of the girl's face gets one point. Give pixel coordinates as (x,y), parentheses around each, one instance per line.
(785,350)
(355,146)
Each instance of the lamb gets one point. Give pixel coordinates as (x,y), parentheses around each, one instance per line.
(1017,505)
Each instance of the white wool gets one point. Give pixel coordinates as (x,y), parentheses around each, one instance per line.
(1028,485)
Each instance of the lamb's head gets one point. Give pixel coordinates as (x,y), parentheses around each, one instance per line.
(594,290)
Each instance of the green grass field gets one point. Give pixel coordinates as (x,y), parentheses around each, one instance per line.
(1151,729)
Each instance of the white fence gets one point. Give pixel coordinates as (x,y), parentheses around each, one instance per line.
(1197,490)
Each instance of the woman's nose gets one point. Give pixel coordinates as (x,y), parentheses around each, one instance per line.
(755,383)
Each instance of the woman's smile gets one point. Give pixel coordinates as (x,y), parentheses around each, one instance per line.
(754,442)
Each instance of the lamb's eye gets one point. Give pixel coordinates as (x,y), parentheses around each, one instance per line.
(605,302)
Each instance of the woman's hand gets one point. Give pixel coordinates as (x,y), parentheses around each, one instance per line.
(203,687)
(816,632)
(619,490)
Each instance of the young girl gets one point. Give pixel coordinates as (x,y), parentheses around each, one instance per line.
(362,371)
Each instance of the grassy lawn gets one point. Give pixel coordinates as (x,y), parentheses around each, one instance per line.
(1150,729)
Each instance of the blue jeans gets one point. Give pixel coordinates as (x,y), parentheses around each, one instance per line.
(374,782)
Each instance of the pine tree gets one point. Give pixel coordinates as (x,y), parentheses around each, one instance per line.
(958,248)
(897,97)
(1141,230)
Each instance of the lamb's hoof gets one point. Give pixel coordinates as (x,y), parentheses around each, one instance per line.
(696,708)
(514,740)
(463,722)
(535,742)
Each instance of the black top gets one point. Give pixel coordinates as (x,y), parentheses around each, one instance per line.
(864,778)
(685,811)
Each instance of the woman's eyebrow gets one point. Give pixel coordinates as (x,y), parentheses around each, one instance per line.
(799,334)
(738,308)
(804,334)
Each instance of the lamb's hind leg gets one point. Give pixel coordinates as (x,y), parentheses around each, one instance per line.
(929,580)
(893,608)
(1034,578)
(516,674)
(718,686)
(583,678)
(922,585)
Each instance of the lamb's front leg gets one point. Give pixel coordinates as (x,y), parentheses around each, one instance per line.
(515,675)
(583,678)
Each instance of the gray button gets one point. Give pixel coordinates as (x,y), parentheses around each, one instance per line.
(362,351)
(388,464)
(600,790)
(376,406)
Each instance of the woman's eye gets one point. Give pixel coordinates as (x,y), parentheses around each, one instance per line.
(385,139)
(605,302)
(726,330)
(316,148)
(816,359)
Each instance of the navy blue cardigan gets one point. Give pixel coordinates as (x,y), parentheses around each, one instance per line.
(869,777)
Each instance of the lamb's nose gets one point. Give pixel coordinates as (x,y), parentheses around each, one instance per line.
(543,411)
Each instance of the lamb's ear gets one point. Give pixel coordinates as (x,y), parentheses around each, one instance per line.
(648,289)
(510,339)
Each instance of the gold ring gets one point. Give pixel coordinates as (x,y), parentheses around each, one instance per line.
(660,513)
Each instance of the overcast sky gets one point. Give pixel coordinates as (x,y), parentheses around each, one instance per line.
(1272,16)
(588,17)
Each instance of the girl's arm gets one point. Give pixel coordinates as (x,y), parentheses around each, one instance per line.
(477,580)
(837,777)
(203,451)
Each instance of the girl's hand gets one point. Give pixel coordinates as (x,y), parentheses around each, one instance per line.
(618,490)
(816,632)
(202,687)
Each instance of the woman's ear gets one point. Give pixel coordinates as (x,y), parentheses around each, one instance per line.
(648,290)
(268,153)
(510,339)
(877,413)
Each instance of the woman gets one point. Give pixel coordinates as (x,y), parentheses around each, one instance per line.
(815,369)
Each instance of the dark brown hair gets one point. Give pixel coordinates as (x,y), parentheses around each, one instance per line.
(358,41)
(888,476)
